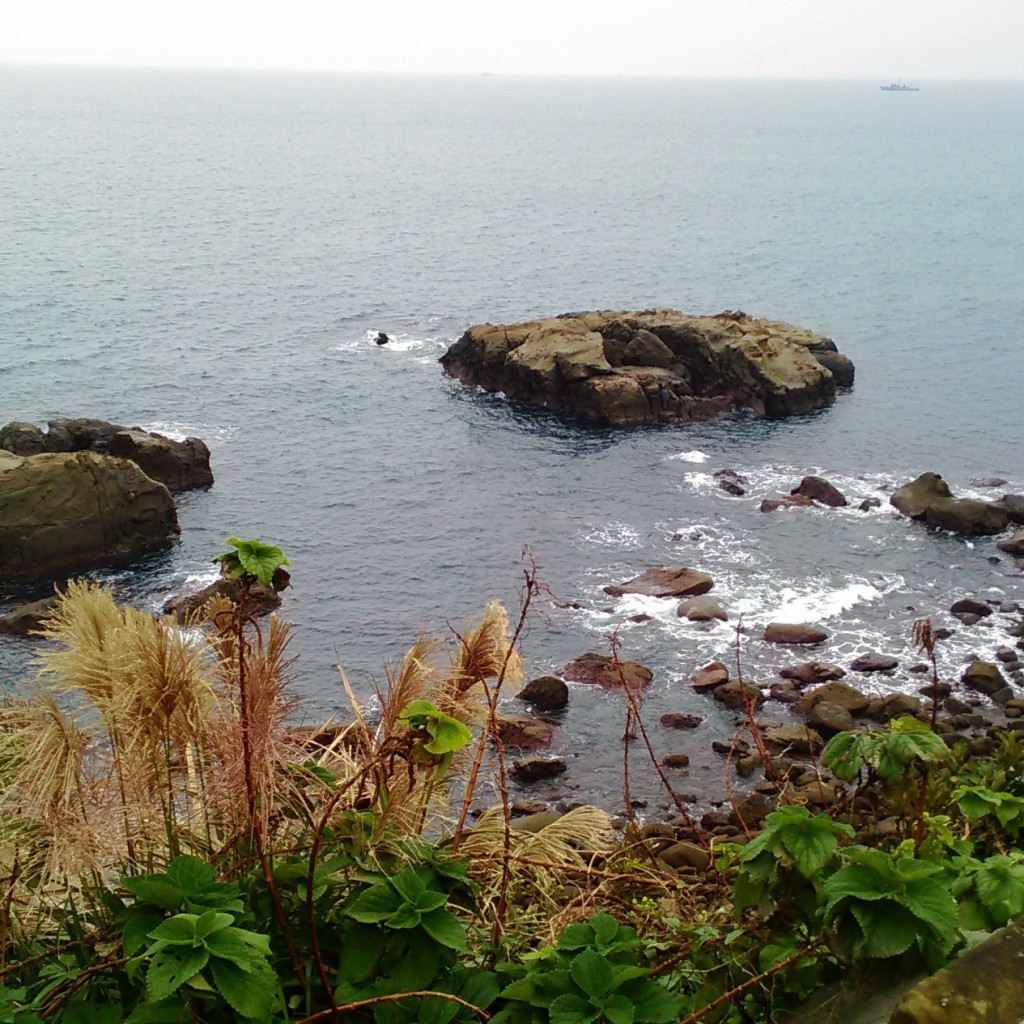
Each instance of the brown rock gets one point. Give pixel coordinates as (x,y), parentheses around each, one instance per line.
(27,619)
(179,465)
(260,600)
(869,503)
(710,676)
(914,499)
(752,810)
(1014,546)
(681,582)
(679,720)
(829,718)
(675,761)
(810,672)
(794,633)
(898,705)
(820,490)
(793,501)
(603,670)
(968,606)
(795,739)
(841,694)
(738,694)
(546,693)
(22,439)
(533,769)
(874,663)
(701,609)
(522,733)
(686,855)
(984,677)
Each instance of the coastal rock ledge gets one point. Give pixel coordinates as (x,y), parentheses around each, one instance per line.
(653,366)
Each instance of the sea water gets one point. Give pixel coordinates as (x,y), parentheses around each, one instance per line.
(213,254)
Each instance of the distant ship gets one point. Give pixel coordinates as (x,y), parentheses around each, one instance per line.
(899,87)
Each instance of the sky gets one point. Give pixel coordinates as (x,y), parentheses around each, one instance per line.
(881,39)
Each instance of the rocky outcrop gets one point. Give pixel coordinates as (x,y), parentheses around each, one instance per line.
(27,619)
(602,670)
(65,511)
(178,465)
(259,599)
(681,582)
(653,366)
(928,499)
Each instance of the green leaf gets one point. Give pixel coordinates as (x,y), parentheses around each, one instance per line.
(406,916)
(256,558)
(136,924)
(570,1009)
(605,928)
(1000,885)
(576,936)
(930,902)
(156,890)
(191,874)
(618,1009)
(887,928)
(652,1003)
(430,900)
(171,968)
(409,885)
(592,973)
(844,755)
(449,735)
(251,994)
(211,922)
(88,1013)
(179,930)
(361,949)
(375,904)
(444,927)
(229,944)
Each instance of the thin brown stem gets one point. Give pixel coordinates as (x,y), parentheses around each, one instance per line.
(361,1004)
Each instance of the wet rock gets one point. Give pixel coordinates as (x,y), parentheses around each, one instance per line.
(820,490)
(1006,654)
(680,582)
(657,830)
(701,609)
(874,663)
(686,855)
(178,465)
(260,599)
(840,366)
(970,607)
(990,481)
(678,760)
(968,618)
(27,619)
(680,720)
(898,705)
(938,690)
(791,501)
(869,503)
(828,718)
(810,672)
(738,694)
(382,338)
(1014,546)
(731,482)
(929,498)
(22,439)
(752,810)
(534,769)
(1013,506)
(796,739)
(522,733)
(536,821)
(63,512)
(603,670)
(523,805)
(641,617)
(841,694)
(984,677)
(942,633)
(546,693)
(921,668)
(786,692)
(815,794)
(794,633)
(710,676)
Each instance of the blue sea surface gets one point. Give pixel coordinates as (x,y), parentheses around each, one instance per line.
(213,253)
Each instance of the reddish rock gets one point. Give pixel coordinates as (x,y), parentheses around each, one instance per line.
(794,633)
(874,663)
(792,501)
(679,720)
(261,600)
(810,672)
(654,582)
(603,670)
(820,490)
(675,761)
(710,676)
(523,733)
(738,694)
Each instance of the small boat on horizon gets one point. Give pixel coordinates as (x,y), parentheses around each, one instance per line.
(899,87)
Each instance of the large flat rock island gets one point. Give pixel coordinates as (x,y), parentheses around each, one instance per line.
(654,366)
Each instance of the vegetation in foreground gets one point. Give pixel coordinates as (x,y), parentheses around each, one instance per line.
(173,850)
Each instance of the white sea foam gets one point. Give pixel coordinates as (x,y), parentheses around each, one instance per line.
(178,431)
(620,536)
(693,456)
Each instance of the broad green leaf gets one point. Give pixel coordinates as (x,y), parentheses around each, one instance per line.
(171,968)
(618,1009)
(191,874)
(84,1013)
(212,922)
(887,928)
(592,973)
(1000,886)
(156,890)
(179,930)
(430,900)
(251,994)
(605,928)
(227,944)
(576,936)
(652,1003)
(570,1009)
(444,927)
(258,558)
(449,735)
(375,904)
(136,924)
(843,754)
(406,916)
(409,885)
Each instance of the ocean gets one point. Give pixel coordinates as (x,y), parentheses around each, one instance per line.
(213,254)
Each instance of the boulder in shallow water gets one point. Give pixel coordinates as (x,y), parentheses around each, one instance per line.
(62,512)
(533,769)
(789,501)
(914,499)
(795,633)
(874,663)
(22,439)
(523,733)
(603,670)
(701,609)
(655,582)
(179,465)
(984,677)
(1013,506)
(261,600)
(929,498)
(710,676)
(27,619)
(546,693)
(810,672)
(820,490)
(1013,546)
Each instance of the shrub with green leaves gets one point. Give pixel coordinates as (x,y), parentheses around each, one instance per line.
(889,752)
(592,975)
(979,802)
(437,736)
(990,892)
(882,907)
(253,558)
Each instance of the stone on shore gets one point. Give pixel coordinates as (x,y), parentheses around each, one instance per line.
(603,670)
(27,619)
(1013,506)
(874,663)
(1013,546)
(652,366)
(710,676)
(984,677)
(523,733)
(738,694)
(810,672)
(533,769)
(840,694)
(701,609)
(62,512)
(795,633)
(680,720)
(656,582)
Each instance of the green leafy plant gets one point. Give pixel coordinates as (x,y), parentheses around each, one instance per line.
(889,752)
(591,974)
(884,906)
(990,892)
(979,802)
(437,736)
(251,557)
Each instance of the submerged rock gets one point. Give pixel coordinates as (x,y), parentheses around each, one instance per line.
(810,672)
(874,663)
(1013,546)
(984,677)
(653,366)
(533,769)
(701,609)
(62,512)
(27,619)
